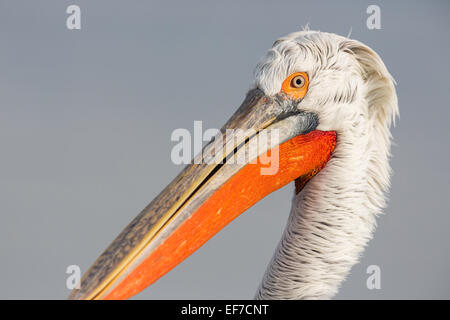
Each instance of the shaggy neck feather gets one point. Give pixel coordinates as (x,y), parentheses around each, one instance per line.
(331,221)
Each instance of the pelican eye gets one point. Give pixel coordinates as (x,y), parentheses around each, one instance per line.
(296,85)
(298,81)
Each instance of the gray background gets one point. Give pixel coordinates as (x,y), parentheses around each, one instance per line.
(86,118)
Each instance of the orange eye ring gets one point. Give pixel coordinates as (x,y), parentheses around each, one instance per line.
(296,85)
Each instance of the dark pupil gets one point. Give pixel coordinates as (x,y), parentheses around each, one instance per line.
(298,81)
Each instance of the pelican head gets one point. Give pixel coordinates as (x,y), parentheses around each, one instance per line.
(331,102)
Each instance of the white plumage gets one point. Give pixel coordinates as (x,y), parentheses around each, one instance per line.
(334,216)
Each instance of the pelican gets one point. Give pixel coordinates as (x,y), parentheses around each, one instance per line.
(332,102)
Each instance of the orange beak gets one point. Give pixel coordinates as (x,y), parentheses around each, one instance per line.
(206,196)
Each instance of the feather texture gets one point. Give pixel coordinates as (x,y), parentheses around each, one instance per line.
(334,216)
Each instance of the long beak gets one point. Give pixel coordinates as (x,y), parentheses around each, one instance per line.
(230,175)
